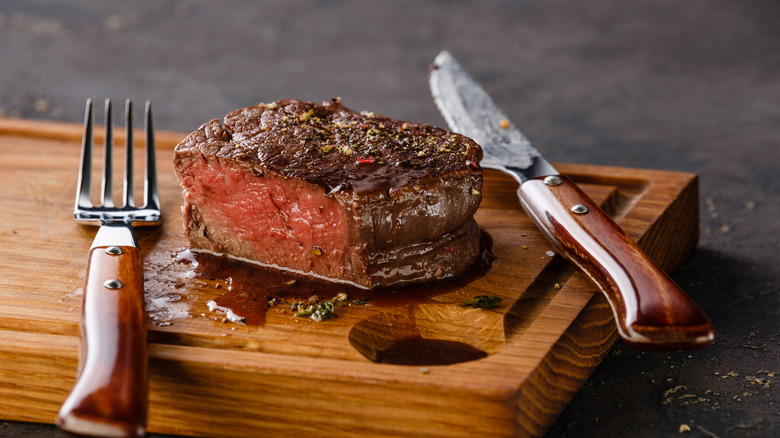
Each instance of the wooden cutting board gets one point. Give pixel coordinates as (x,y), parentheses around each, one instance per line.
(293,375)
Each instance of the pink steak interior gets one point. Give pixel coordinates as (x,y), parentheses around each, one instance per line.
(269,218)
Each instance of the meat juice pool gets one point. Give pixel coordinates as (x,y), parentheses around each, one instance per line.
(242,292)
(252,289)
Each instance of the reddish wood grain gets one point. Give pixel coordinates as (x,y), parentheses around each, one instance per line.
(110,395)
(651,311)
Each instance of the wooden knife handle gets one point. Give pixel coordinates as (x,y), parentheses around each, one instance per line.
(110,395)
(650,310)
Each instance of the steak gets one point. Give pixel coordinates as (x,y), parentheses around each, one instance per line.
(332,193)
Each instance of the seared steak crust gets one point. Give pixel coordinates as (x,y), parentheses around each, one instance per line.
(392,199)
(337,148)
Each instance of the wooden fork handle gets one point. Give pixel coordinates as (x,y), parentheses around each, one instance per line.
(110,395)
(650,310)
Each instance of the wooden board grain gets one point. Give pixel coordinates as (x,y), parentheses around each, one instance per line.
(297,376)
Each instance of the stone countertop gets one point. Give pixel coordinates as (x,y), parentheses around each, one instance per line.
(685,86)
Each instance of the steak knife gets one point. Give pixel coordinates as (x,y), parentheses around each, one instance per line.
(650,310)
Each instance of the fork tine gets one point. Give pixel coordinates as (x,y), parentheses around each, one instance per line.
(84,192)
(108,147)
(151,194)
(128,195)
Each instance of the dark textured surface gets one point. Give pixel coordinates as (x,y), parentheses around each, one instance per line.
(689,86)
(339,149)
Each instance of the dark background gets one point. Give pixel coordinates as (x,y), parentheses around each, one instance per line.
(689,86)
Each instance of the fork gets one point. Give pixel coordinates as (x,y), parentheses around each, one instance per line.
(110,394)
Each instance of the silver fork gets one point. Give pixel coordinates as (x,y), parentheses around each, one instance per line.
(110,394)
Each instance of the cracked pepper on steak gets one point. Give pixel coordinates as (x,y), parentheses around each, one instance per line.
(332,193)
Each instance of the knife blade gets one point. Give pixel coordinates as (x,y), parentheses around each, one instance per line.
(650,310)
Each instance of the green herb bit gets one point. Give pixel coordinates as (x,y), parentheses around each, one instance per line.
(324,310)
(482,302)
(305,117)
(300,310)
(319,312)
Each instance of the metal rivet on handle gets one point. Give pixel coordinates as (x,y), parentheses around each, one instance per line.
(553,180)
(113,284)
(579,209)
(114,250)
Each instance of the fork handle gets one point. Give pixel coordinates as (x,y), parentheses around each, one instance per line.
(110,395)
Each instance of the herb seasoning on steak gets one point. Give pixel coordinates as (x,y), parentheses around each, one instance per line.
(332,193)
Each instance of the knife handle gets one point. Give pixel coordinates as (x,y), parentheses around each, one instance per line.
(650,310)
(110,395)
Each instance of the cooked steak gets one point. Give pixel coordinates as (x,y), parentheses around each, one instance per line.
(333,193)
